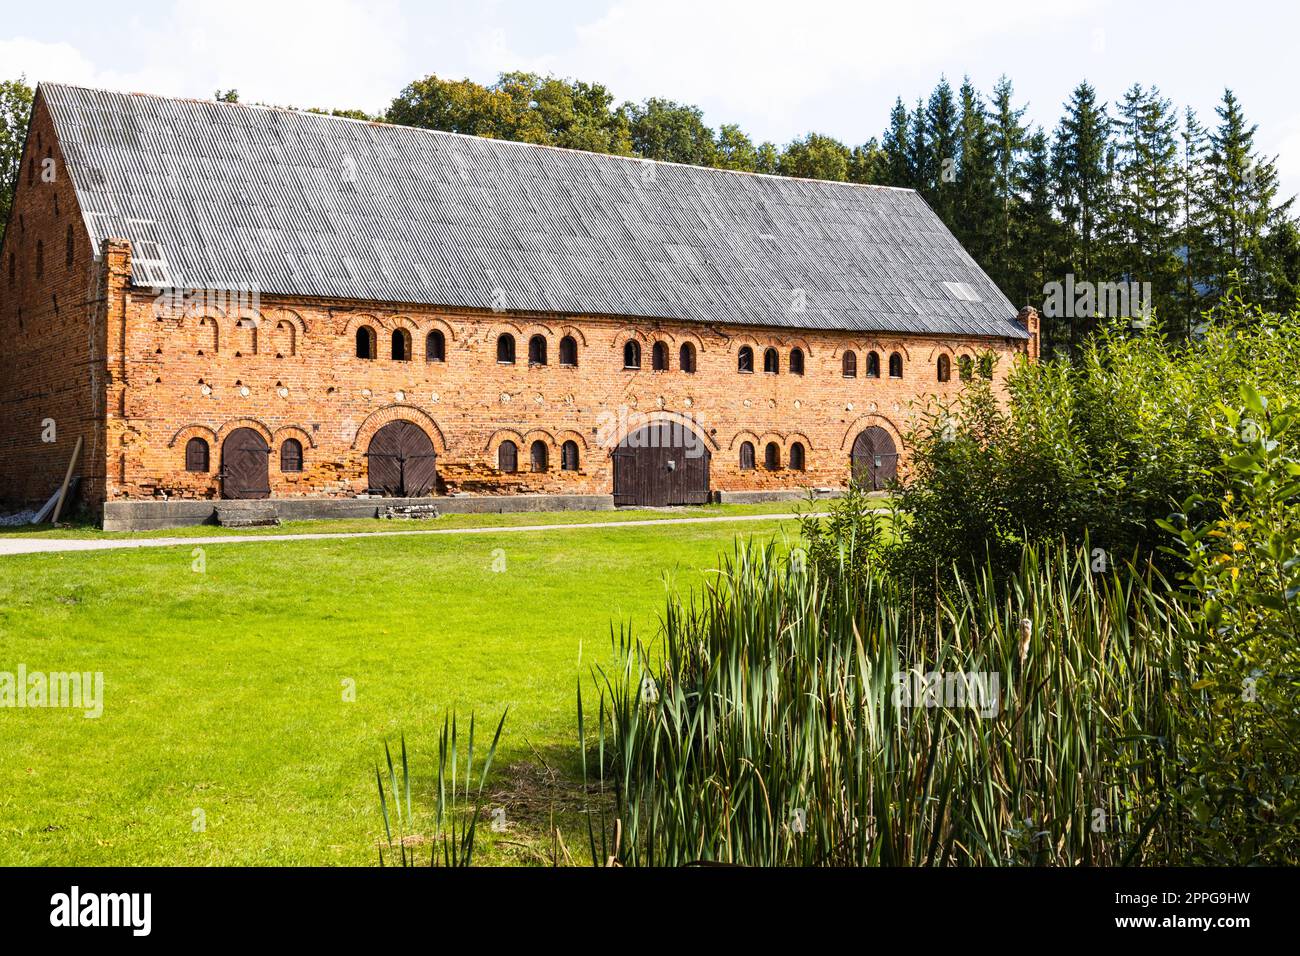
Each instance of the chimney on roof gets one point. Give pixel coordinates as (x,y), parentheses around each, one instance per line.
(1028,317)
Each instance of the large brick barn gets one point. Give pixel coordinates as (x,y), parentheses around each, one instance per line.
(230,302)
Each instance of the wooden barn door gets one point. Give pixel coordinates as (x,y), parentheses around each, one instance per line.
(875,458)
(401,461)
(245,466)
(654,468)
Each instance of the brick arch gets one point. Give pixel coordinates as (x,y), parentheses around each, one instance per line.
(195,430)
(442,325)
(502,434)
(293,431)
(538,328)
(358,319)
(494,330)
(533,434)
(630,332)
(253,315)
(578,335)
(609,439)
(792,437)
(287,315)
(797,342)
(743,435)
(864,421)
(938,348)
(861,347)
(254,423)
(899,347)
(687,335)
(735,342)
(394,412)
(571,434)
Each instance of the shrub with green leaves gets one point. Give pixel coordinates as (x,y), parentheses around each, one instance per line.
(1239,717)
(1104,446)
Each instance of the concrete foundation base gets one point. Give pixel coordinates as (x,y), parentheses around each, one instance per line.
(762,497)
(150,515)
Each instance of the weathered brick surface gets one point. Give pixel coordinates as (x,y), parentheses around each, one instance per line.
(138,380)
(52,317)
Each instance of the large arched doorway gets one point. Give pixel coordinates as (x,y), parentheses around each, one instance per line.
(875,458)
(664,463)
(244,465)
(401,461)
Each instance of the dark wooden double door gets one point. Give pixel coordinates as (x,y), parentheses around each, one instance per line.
(659,465)
(875,458)
(245,465)
(402,462)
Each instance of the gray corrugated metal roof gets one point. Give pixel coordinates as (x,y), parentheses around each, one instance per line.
(302,204)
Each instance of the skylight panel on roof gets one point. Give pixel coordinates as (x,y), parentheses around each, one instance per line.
(962,291)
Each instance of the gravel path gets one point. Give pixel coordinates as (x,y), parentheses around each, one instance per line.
(17,545)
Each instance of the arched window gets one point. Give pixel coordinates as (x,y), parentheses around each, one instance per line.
(686,357)
(797,456)
(631,354)
(508,457)
(745,360)
(506,349)
(40,259)
(569,456)
(850,363)
(537,455)
(537,350)
(291,455)
(568,350)
(873,365)
(659,357)
(965,367)
(196,455)
(943,368)
(771,456)
(435,347)
(68,249)
(401,345)
(746,456)
(365,342)
(895,365)
(796,361)
(771,362)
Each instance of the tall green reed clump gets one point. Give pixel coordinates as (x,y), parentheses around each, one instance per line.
(772,726)
(457,802)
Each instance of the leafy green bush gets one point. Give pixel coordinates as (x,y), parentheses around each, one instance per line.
(1239,719)
(1103,447)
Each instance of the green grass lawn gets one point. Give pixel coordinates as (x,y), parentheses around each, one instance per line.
(224,690)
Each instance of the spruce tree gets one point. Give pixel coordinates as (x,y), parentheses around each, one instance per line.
(896,146)
(1007,141)
(975,199)
(1081,160)
(942,149)
(1144,212)
(1241,188)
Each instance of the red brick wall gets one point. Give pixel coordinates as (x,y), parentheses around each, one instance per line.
(51,330)
(291,371)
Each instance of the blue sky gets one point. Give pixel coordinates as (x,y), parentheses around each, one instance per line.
(777,69)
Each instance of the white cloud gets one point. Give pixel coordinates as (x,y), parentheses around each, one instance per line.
(775,59)
(45,61)
(345,53)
